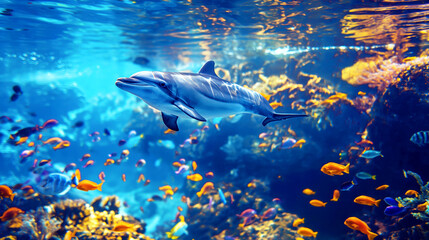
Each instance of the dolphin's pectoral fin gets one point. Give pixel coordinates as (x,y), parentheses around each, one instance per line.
(208,68)
(189,111)
(170,121)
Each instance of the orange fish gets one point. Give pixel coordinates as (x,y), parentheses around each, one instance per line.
(147,182)
(165,188)
(177,164)
(306,232)
(317,203)
(195,177)
(123,227)
(299,143)
(308,191)
(382,187)
(88,163)
(365,200)
(276,104)
(86,185)
(10,213)
(357,224)
(109,161)
(21,140)
(169,131)
(141,178)
(412,192)
(101,176)
(61,145)
(263,145)
(54,140)
(332,169)
(179,208)
(422,207)
(360,93)
(123,178)
(85,156)
(298,222)
(6,192)
(194,165)
(336,195)
(125,153)
(31,144)
(209,175)
(205,189)
(168,192)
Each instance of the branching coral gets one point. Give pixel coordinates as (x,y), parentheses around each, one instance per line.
(419,202)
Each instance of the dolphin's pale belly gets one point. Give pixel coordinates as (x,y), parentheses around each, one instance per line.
(210,108)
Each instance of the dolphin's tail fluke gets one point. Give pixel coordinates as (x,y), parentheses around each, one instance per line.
(281,116)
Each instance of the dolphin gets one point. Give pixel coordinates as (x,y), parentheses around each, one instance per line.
(199,96)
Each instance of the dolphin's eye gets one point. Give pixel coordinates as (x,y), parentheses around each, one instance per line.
(162,84)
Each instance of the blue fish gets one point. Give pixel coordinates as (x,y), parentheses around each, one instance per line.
(347,186)
(390,201)
(197,95)
(222,196)
(371,154)
(420,138)
(365,176)
(55,184)
(394,210)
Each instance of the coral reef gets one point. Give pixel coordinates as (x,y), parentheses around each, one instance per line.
(55,220)
(422,198)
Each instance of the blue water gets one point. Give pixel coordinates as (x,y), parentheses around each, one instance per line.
(67,55)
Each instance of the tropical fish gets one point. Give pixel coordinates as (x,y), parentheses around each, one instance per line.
(422,207)
(297,222)
(26,153)
(55,184)
(382,187)
(287,143)
(365,200)
(10,213)
(49,123)
(101,176)
(88,163)
(308,191)
(269,214)
(420,138)
(391,201)
(306,232)
(198,96)
(106,132)
(166,143)
(371,154)
(357,224)
(121,142)
(336,195)
(123,227)
(85,156)
(221,196)
(394,210)
(247,213)
(124,177)
(299,143)
(43,162)
(6,192)
(86,185)
(108,162)
(61,145)
(412,192)
(317,203)
(205,189)
(21,140)
(332,169)
(195,177)
(194,166)
(69,235)
(78,124)
(276,200)
(69,167)
(178,230)
(209,175)
(140,163)
(347,186)
(365,176)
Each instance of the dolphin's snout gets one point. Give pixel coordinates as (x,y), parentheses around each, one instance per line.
(127,80)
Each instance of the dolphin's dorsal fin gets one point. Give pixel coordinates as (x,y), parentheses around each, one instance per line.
(208,68)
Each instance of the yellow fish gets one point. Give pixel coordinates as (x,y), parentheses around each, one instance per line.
(365,200)
(178,230)
(317,203)
(308,191)
(298,222)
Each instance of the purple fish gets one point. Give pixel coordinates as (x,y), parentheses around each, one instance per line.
(247,213)
(269,213)
(394,210)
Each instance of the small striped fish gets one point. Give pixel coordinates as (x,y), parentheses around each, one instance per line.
(420,138)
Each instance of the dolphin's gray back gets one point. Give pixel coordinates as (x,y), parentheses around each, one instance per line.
(212,87)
